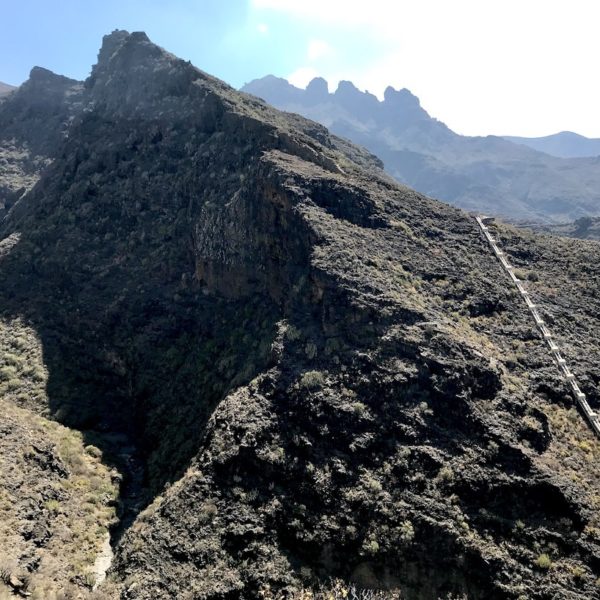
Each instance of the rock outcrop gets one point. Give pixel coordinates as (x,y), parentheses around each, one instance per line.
(324,372)
(33,120)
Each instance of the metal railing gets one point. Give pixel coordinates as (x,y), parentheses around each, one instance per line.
(580,398)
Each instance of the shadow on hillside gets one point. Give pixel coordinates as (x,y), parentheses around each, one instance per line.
(136,360)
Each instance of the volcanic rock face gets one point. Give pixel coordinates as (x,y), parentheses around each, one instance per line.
(33,120)
(488,174)
(324,372)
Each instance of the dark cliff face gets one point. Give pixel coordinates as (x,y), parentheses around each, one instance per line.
(488,174)
(251,300)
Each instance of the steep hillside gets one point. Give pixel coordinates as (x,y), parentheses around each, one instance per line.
(323,374)
(488,174)
(565,144)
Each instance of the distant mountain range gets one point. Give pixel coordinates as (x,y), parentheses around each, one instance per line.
(5,88)
(489,174)
(585,228)
(565,144)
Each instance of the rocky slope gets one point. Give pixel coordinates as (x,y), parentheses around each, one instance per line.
(488,174)
(325,373)
(57,498)
(565,144)
(33,120)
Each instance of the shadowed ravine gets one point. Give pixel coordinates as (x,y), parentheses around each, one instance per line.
(133,495)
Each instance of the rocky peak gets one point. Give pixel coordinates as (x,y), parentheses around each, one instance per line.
(42,76)
(274,90)
(36,114)
(317,90)
(347,88)
(351,98)
(110,44)
(135,78)
(121,50)
(405,103)
(44,84)
(132,73)
(33,123)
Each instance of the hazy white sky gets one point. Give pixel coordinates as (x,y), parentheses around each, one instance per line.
(521,67)
(511,67)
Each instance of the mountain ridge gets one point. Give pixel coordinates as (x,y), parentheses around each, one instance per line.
(488,174)
(565,144)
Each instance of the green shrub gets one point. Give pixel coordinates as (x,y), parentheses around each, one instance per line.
(7,373)
(543,561)
(13,384)
(371,547)
(578,573)
(13,359)
(373,484)
(359,408)
(407,531)
(312,380)
(445,474)
(521,274)
(208,512)
(310,350)
(292,333)
(52,505)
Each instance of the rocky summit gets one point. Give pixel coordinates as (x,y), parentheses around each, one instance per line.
(236,350)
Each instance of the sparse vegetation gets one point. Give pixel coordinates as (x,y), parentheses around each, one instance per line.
(445,475)
(407,531)
(54,471)
(340,590)
(312,380)
(543,562)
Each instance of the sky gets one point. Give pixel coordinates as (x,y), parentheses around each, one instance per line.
(504,67)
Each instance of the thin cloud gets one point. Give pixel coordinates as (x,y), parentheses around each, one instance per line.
(500,66)
(318,49)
